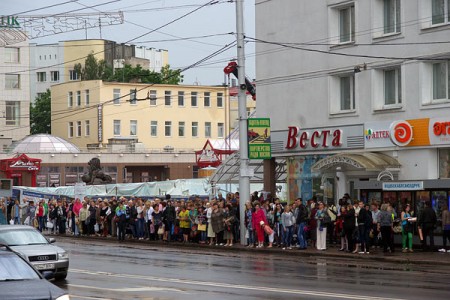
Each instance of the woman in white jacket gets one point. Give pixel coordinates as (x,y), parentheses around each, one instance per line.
(210,233)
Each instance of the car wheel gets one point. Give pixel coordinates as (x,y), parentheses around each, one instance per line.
(60,277)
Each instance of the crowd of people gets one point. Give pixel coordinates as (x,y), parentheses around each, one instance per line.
(353,226)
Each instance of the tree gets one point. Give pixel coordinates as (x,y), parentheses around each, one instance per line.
(40,114)
(169,76)
(135,74)
(93,69)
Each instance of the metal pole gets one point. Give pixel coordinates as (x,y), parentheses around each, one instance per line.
(244,179)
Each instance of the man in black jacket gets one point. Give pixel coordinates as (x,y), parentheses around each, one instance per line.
(301,221)
(427,222)
(169,216)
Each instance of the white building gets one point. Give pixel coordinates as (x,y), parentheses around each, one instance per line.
(354,90)
(14,93)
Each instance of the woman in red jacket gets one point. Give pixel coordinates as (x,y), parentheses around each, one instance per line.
(257,217)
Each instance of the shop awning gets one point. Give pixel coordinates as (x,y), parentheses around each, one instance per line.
(369,161)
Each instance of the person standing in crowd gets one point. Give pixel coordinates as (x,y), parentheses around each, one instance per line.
(149,219)
(340,228)
(3,214)
(15,212)
(169,217)
(105,211)
(312,223)
(157,216)
(301,221)
(111,218)
(248,225)
(322,222)
(427,222)
(76,216)
(201,217)
(9,206)
(363,228)
(121,218)
(349,226)
(140,224)
(287,221)
(83,216)
(375,212)
(257,217)
(407,229)
(40,216)
(445,228)
(185,224)
(92,219)
(385,223)
(61,217)
(228,219)
(31,213)
(277,224)
(211,235)
(217,223)
(332,212)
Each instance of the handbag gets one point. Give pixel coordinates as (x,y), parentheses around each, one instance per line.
(201,227)
(35,223)
(50,225)
(161,230)
(397,229)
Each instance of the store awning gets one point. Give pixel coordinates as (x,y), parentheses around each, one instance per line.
(357,161)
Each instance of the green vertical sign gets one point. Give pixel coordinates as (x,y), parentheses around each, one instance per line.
(258,134)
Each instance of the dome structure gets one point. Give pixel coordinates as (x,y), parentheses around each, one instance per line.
(43,143)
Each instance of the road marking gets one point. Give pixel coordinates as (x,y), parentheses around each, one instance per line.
(126,290)
(86,297)
(235,286)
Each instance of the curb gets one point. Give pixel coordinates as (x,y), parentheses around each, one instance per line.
(403,259)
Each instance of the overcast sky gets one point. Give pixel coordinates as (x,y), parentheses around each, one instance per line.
(211,20)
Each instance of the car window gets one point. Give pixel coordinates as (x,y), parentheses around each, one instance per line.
(13,267)
(21,237)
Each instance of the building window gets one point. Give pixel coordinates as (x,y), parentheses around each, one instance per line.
(220,130)
(181,98)
(181,129)
(78,128)
(87,128)
(207,99)
(441,81)
(12,81)
(168,128)
(70,99)
(86,97)
(133,97)
(194,129)
(440,11)
(153,98)
(41,76)
(73,75)
(392,86)
(78,98)
(133,127)
(219,99)
(12,55)
(70,133)
(347,24)
(194,99)
(116,96)
(392,16)
(347,93)
(12,113)
(116,127)
(207,129)
(154,128)
(167,98)
(54,76)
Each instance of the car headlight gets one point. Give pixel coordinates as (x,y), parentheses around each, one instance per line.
(65,297)
(63,255)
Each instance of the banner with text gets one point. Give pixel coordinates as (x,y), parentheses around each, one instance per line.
(258,134)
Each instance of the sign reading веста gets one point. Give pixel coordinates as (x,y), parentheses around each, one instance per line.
(258,134)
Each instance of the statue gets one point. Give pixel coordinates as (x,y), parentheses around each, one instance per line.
(95,174)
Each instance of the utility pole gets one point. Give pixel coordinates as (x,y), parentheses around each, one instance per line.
(244,176)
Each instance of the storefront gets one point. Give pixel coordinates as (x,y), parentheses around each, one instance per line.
(21,169)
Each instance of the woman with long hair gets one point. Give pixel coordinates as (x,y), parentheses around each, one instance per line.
(407,236)
(257,217)
(288,221)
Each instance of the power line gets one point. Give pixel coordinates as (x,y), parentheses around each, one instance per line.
(44,7)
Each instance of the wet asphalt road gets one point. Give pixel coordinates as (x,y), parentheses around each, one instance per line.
(105,270)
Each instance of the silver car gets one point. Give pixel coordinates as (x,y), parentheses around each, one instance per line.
(36,248)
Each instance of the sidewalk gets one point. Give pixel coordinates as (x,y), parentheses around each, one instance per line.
(377,255)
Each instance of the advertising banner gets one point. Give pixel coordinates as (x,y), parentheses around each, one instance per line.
(258,133)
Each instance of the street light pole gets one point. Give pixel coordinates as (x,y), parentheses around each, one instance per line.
(244,179)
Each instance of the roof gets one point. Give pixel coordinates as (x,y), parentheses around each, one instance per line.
(43,143)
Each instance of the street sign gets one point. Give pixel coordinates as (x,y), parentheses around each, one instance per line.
(258,133)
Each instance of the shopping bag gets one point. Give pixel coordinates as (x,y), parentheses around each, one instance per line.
(11,222)
(201,227)
(27,221)
(50,225)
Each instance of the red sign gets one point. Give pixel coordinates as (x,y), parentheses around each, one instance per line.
(315,139)
(27,165)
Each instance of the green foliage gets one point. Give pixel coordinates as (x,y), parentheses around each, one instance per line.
(170,76)
(93,69)
(40,114)
(135,74)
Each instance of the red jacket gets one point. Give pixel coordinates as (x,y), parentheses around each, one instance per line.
(40,211)
(257,217)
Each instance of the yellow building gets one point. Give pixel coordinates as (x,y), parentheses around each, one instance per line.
(139,117)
